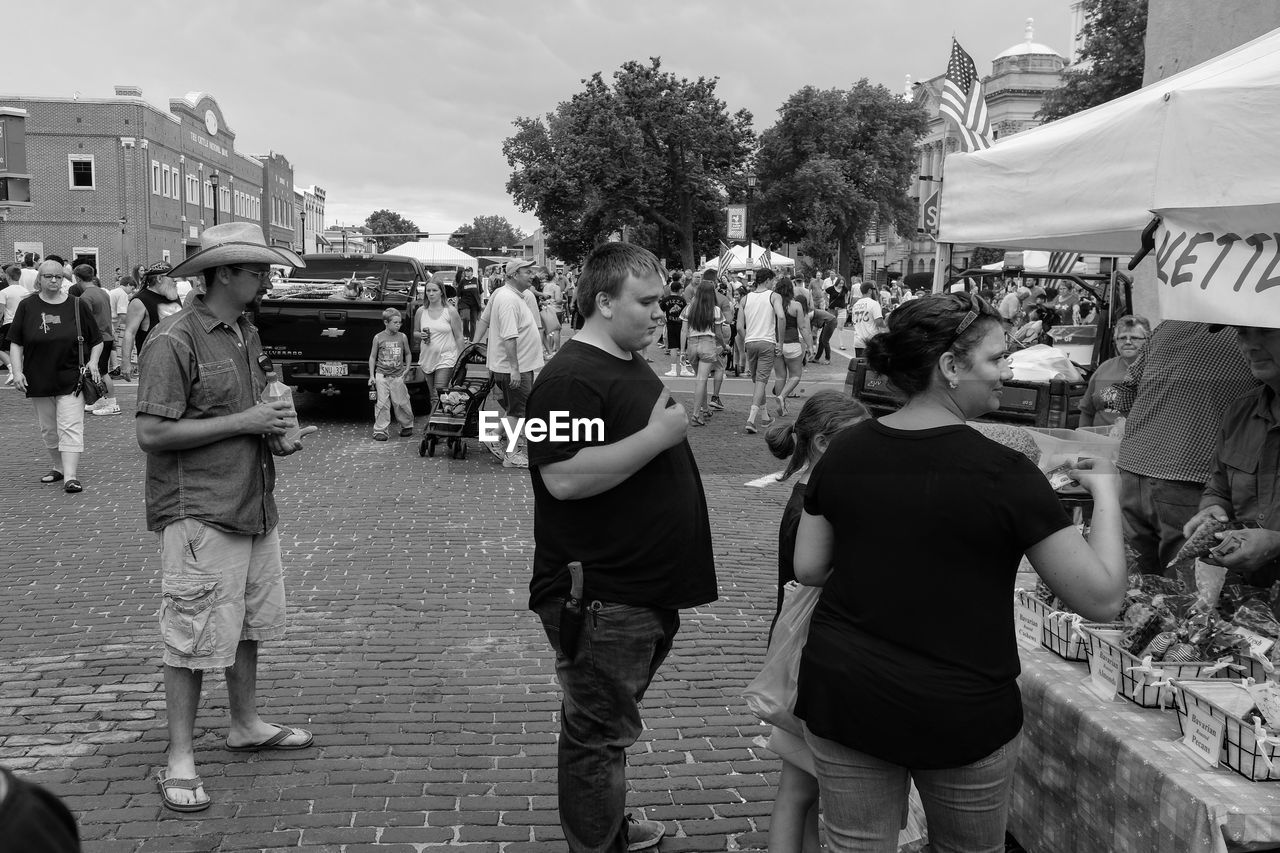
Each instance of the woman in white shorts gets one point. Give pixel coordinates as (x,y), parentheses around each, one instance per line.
(796,340)
(701,348)
(438,329)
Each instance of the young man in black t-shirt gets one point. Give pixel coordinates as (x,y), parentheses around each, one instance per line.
(627,503)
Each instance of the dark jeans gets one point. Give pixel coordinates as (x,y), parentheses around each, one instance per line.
(1153,512)
(824,340)
(468,317)
(619,651)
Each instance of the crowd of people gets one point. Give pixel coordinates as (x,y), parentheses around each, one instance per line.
(1200,404)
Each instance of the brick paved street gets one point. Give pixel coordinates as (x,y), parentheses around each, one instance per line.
(410,653)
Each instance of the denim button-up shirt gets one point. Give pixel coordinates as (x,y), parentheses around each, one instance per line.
(196,366)
(1246,466)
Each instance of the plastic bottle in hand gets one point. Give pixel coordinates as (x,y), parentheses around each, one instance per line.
(277,390)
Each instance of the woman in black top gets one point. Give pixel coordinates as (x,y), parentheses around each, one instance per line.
(915,525)
(46,367)
(468,302)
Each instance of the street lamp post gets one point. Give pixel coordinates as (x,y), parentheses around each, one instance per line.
(124,262)
(302,232)
(213,180)
(751,220)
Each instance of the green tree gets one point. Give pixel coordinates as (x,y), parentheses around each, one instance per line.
(649,148)
(390,222)
(835,162)
(1112,53)
(486,232)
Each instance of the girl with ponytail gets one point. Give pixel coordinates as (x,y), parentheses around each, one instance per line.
(794,825)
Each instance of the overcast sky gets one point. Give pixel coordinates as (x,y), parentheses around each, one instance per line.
(405,105)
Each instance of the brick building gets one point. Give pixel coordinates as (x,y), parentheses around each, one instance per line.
(118,182)
(310,201)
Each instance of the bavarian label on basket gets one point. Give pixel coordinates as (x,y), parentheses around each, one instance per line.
(1204,731)
(1028,619)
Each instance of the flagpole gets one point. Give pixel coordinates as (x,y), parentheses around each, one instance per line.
(939,268)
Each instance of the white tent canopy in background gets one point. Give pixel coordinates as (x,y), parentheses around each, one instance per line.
(1204,138)
(435,253)
(741,263)
(1033,261)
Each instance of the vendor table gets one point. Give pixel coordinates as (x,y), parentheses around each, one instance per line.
(1110,776)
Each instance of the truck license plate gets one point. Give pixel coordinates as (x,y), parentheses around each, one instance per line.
(333,368)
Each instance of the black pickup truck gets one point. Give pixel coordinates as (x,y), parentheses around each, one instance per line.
(318,324)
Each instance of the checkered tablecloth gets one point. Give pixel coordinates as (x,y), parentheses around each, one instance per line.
(1096,775)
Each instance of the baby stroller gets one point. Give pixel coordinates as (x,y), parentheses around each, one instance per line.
(456,416)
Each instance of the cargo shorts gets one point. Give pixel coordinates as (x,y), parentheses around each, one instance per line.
(217,589)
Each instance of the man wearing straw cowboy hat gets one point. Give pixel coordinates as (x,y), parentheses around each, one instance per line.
(209,445)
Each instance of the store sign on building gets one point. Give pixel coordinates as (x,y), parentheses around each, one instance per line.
(208,143)
(929,213)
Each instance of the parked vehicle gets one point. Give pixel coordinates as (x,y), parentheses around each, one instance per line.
(319,323)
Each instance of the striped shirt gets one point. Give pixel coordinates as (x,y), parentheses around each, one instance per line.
(1174,395)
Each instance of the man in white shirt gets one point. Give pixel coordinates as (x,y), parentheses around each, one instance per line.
(120,296)
(514,347)
(13,293)
(30,276)
(761,323)
(864,314)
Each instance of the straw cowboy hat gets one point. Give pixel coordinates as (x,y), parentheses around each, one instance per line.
(234,243)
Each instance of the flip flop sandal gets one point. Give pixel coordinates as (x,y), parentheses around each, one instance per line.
(51,477)
(186,784)
(72,486)
(276,742)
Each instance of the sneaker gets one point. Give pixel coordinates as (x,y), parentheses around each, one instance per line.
(715,403)
(9,381)
(406,431)
(765,419)
(379,436)
(672,372)
(643,834)
(515,459)
(750,427)
(110,409)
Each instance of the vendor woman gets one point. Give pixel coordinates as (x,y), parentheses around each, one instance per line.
(1244,483)
(1131,333)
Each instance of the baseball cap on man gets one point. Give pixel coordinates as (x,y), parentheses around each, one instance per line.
(234,243)
(516,264)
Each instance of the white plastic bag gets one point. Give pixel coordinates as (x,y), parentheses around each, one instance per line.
(771,695)
(1042,363)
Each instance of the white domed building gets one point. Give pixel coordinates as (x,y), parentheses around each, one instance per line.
(1020,77)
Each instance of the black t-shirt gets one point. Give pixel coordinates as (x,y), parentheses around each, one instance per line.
(673,305)
(646,541)
(787,530)
(35,821)
(47,335)
(911,654)
(469,294)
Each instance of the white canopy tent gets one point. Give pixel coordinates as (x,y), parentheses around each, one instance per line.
(1204,138)
(436,254)
(741,263)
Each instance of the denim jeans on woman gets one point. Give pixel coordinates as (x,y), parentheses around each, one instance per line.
(864,800)
(619,651)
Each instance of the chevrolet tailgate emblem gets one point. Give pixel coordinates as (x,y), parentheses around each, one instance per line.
(333,332)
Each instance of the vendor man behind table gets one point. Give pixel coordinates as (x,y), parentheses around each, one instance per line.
(628,505)
(1244,483)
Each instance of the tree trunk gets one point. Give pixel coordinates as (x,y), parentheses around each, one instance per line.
(845,249)
(686,231)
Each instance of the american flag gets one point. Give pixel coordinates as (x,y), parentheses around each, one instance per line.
(766,260)
(1062,262)
(726,259)
(962,100)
